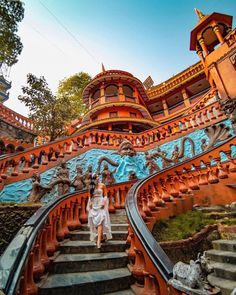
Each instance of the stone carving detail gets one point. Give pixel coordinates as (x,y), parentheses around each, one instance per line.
(62,179)
(107,176)
(132,176)
(150,163)
(38,191)
(215,134)
(192,278)
(229,108)
(126,148)
(88,176)
(78,181)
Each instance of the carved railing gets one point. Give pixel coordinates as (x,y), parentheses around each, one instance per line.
(27,257)
(15,119)
(22,165)
(166,194)
(177,80)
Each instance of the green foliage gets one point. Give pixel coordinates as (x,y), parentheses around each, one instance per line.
(11,13)
(181,227)
(51,113)
(72,88)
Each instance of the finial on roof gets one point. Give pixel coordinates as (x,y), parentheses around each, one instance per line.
(199,13)
(103,68)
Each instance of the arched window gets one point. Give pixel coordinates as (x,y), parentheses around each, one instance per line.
(128,91)
(96,94)
(111,90)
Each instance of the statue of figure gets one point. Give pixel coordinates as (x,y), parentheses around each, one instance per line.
(193,276)
(126,148)
(203,144)
(151,164)
(88,176)
(62,179)
(229,108)
(107,176)
(78,181)
(38,191)
(132,176)
(175,154)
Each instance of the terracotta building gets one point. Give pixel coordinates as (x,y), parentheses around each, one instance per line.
(177,138)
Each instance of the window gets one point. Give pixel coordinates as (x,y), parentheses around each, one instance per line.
(111,90)
(133,115)
(128,91)
(113,114)
(96,94)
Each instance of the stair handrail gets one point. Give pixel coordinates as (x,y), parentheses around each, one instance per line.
(153,250)
(15,258)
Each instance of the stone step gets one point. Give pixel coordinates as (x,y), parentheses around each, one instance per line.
(224,270)
(225,245)
(89,283)
(84,235)
(69,263)
(79,247)
(226,286)
(222,256)
(119,219)
(114,227)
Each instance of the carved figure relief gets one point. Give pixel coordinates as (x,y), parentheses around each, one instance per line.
(151,164)
(107,176)
(78,181)
(229,108)
(38,190)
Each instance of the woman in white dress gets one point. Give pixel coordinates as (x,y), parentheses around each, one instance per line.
(98,214)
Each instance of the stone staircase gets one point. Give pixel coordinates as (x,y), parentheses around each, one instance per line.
(80,268)
(223,261)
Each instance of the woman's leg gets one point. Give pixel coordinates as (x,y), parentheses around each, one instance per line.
(99,236)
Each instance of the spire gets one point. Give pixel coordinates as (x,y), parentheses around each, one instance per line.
(199,13)
(103,68)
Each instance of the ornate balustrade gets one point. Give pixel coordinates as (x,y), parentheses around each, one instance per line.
(22,165)
(177,80)
(27,257)
(16,119)
(166,194)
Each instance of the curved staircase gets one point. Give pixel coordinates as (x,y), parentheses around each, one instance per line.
(80,268)
(223,261)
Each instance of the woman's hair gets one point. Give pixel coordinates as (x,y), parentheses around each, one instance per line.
(92,184)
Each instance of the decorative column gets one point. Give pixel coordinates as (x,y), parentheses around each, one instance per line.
(200,54)
(203,46)
(102,94)
(219,36)
(165,107)
(121,92)
(185,97)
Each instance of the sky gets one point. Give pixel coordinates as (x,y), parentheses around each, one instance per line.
(143,37)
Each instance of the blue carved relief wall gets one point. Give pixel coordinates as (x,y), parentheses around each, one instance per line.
(20,191)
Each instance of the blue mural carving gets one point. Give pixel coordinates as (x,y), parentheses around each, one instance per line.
(20,191)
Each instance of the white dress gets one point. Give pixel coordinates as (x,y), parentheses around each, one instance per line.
(98,215)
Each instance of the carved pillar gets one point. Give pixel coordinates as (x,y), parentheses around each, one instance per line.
(219,36)
(165,107)
(185,97)
(203,46)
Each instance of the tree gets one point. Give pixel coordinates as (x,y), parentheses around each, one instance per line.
(72,88)
(11,13)
(50,113)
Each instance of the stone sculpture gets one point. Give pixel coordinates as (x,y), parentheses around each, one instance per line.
(151,164)
(78,181)
(107,176)
(217,133)
(38,191)
(192,278)
(62,179)
(229,108)
(88,176)
(132,176)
